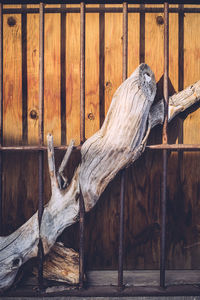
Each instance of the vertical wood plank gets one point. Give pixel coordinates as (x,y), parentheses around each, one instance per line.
(12,86)
(154,44)
(92,74)
(191,72)
(52,121)
(113,54)
(133,40)
(33,76)
(73,76)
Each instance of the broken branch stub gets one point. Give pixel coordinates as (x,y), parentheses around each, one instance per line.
(119,142)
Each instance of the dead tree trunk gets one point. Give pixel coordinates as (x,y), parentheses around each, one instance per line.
(119,142)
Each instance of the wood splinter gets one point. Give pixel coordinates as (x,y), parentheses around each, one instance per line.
(120,141)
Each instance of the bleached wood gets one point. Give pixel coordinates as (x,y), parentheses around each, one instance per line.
(119,142)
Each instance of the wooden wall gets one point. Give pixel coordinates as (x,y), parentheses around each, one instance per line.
(103,76)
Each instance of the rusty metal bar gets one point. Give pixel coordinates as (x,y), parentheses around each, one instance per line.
(98,10)
(121,224)
(1,113)
(34,148)
(81,240)
(165,141)
(125,40)
(82,138)
(82,73)
(24,77)
(174,147)
(41,139)
(102,1)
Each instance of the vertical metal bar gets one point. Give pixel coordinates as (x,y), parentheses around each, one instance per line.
(24,77)
(63,75)
(82,138)
(165,141)
(142,33)
(81,244)
(101,65)
(41,138)
(121,225)
(1,113)
(82,72)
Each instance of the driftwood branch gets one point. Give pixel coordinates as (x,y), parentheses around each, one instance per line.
(119,142)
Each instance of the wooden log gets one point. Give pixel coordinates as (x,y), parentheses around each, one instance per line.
(119,142)
(61,264)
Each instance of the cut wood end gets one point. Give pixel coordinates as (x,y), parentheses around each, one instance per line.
(61,264)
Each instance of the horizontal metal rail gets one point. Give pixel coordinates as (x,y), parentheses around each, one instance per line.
(34,148)
(174,147)
(99,10)
(100,1)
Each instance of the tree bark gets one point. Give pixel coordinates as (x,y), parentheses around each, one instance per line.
(119,142)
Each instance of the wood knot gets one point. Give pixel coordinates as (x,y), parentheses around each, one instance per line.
(159,20)
(33,114)
(11,21)
(91,116)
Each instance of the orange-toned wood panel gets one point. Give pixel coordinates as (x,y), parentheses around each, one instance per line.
(143,179)
(12,86)
(92,74)
(154,43)
(73,77)
(113,55)
(52,122)
(33,77)
(191,131)
(133,40)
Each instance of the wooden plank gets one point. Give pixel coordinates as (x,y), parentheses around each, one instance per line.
(52,120)
(191,63)
(73,77)
(133,40)
(33,77)
(12,85)
(113,55)
(92,74)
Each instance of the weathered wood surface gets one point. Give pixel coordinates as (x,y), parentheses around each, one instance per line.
(131,115)
(142,219)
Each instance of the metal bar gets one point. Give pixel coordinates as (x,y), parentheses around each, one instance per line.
(101,66)
(82,73)
(165,140)
(81,240)
(41,138)
(98,10)
(24,77)
(172,147)
(34,148)
(1,114)
(82,138)
(121,224)
(100,1)
(175,147)
(63,76)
